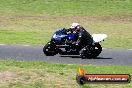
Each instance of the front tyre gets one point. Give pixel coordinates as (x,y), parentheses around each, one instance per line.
(49,50)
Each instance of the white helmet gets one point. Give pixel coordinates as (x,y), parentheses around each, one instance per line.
(74,25)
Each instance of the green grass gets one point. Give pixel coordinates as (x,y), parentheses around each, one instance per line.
(20,74)
(34,21)
(39,30)
(66,7)
(14,37)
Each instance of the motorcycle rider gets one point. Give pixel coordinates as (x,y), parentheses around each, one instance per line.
(83,38)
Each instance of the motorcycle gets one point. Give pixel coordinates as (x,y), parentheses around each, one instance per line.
(62,43)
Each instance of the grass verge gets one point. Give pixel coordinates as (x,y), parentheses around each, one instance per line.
(21,74)
(38,30)
(66,7)
(33,22)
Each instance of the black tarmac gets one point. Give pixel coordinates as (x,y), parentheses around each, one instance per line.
(35,53)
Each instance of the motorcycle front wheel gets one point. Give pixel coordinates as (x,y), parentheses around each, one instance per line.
(49,50)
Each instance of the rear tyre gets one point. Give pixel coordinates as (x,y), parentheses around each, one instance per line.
(49,50)
(91,51)
(97,50)
(85,52)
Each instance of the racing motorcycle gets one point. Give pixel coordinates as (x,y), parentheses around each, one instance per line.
(61,43)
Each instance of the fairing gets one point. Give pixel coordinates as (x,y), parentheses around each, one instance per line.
(98,37)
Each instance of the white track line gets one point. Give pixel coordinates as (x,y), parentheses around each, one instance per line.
(26,45)
(2,44)
(104,48)
(129,49)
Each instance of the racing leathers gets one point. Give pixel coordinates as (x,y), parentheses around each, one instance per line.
(83,38)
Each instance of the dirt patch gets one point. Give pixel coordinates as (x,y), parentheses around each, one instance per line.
(7,77)
(68,18)
(14,77)
(11,78)
(26,78)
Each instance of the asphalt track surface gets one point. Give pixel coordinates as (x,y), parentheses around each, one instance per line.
(34,53)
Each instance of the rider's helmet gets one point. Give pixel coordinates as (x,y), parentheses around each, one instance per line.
(76,27)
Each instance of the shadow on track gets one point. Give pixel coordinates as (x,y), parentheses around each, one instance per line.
(72,56)
(86,58)
(102,58)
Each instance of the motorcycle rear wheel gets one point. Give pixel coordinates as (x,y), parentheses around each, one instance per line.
(97,50)
(91,51)
(85,52)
